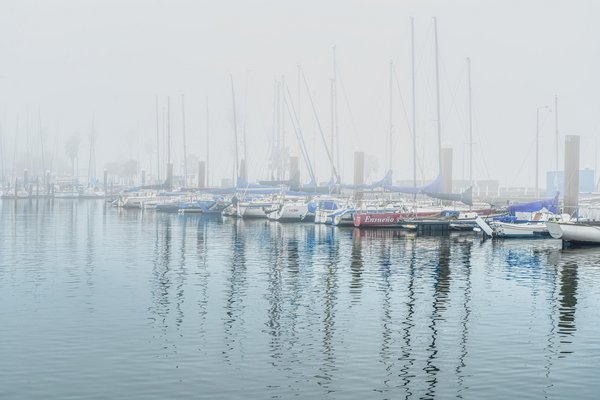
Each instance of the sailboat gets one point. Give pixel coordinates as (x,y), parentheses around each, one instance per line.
(587,233)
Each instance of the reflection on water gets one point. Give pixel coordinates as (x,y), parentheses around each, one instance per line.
(157,305)
(568,301)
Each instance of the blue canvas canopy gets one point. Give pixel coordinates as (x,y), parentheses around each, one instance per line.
(385,182)
(433,187)
(549,204)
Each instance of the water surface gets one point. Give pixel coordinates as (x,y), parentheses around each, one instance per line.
(97,303)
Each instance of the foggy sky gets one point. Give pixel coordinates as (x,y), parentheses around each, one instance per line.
(74,60)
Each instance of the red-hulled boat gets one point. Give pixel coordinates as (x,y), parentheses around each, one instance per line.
(387,218)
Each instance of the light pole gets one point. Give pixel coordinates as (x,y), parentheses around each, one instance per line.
(537,149)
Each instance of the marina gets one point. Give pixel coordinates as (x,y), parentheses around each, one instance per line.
(308,200)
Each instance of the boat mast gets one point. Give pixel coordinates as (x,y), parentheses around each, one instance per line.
(276,173)
(335,141)
(157,140)
(283,148)
(335,108)
(299,86)
(437,87)
(331,138)
(323,138)
(245,149)
(185,174)
(169,166)
(470,124)
(41,144)
(414,108)
(391,116)
(207,149)
(235,138)
(556,144)
(92,160)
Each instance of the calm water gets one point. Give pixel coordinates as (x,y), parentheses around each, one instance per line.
(102,303)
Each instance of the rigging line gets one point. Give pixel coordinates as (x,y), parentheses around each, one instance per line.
(271,147)
(298,132)
(453,102)
(406,119)
(41,142)
(235,134)
(479,143)
(335,172)
(349,109)
(525,159)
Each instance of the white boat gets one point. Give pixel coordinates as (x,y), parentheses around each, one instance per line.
(324,207)
(525,230)
(10,194)
(585,233)
(535,228)
(288,211)
(66,194)
(254,208)
(135,201)
(342,217)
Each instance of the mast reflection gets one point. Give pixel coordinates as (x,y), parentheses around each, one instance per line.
(329,303)
(467,247)
(160,272)
(356,266)
(408,323)
(234,304)
(440,298)
(568,302)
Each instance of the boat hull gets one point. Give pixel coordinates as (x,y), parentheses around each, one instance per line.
(253,211)
(389,219)
(576,233)
(380,220)
(289,213)
(508,230)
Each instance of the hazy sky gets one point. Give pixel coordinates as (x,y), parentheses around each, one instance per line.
(70,60)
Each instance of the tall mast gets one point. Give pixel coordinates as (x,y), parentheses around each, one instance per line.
(3,162)
(331,139)
(92,160)
(335,112)
(470,124)
(168,132)
(157,140)
(185,174)
(414,105)
(41,143)
(556,144)
(235,138)
(282,120)
(245,149)
(299,83)
(207,148)
(277,132)
(391,117)
(537,150)
(437,90)
(329,153)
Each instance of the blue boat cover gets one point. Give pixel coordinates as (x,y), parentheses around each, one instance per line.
(549,204)
(433,187)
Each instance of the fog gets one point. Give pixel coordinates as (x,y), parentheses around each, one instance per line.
(69,65)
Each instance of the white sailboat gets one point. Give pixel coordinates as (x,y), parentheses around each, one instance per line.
(584,233)
(288,210)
